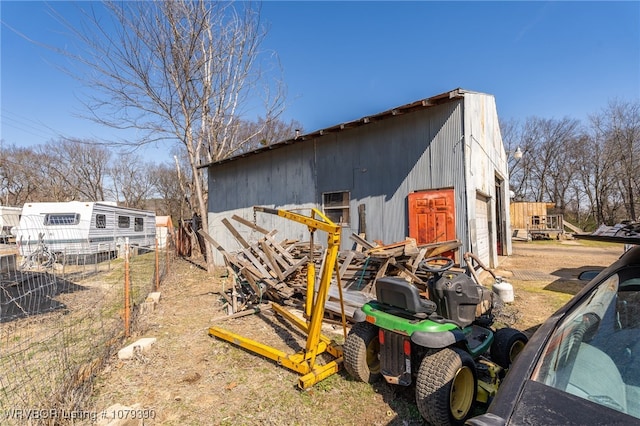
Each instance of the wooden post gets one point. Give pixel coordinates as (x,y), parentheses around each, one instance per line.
(166,248)
(64,262)
(127,290)
(362,220)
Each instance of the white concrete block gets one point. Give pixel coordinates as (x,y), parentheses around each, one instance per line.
(142,345)
(153,297)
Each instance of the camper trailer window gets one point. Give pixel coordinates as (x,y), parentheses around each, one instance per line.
(52,219)
(138,224)
(124,221)
(101,221)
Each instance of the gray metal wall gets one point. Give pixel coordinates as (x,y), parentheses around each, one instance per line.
(379,163)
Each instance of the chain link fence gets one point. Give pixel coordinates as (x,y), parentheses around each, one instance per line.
(63,313)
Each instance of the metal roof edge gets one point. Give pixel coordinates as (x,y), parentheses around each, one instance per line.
(439,99)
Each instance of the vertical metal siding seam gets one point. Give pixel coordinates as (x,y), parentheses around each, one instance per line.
(467,169)
(315,171)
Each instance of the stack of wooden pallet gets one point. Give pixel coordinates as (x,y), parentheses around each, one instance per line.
(274,270)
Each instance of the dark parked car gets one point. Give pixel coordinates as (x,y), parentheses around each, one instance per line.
(582,365)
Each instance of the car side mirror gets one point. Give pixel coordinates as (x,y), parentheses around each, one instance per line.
(588,275)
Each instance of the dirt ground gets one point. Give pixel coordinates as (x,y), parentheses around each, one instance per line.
(191,378)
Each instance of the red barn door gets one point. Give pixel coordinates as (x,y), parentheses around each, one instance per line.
(432,216)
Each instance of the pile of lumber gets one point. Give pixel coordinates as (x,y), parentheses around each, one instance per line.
(272,270)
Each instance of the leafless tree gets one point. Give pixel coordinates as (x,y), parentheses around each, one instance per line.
(53,182)
(19,180)
(545,171)
(511,132)
(171,195)
(133,179)
(187,71)
(81,164)
(262,133)
(620,122)
(613,138)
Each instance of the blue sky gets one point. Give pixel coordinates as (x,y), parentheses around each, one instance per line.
(346,60)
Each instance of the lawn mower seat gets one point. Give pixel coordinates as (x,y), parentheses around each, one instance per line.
(401,294)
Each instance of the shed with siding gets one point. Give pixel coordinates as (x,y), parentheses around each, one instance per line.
(434,170)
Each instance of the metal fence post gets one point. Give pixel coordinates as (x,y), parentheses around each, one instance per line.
(157,267)
(127,290)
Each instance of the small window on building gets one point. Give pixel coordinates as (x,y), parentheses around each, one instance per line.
(101,221)
(138,224)
(55,219)
(336,206)
(124,221)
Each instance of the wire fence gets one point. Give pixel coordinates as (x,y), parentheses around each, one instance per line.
(63,313)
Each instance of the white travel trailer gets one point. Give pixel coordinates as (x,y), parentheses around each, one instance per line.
(9,217)
(78,228)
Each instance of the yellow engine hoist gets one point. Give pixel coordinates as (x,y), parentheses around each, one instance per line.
(304,362)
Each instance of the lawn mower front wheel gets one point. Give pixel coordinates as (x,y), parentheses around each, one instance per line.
(362,352)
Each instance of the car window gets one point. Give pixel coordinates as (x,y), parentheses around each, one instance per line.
(594,353)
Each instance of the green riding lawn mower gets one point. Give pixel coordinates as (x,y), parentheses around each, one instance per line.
(440,339)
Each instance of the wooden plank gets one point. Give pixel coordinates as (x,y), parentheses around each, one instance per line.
(254,284)
(381,273)
(359,240)
(335,308)
(295,267)
(235,233)
(278,257)
(249,224)
(400,244)
(271,257)
(254,310)
(416,260)
(346,263)
(383,268)
(441,243)
(211,241)
(281,250)
(443,247)
(248,277)
(255,262)
(411,248)
(244,265)
(224,296)
(258,276)
(407,271)
(214,243)
(391,252)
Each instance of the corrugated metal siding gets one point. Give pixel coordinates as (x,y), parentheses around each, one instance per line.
(447,158)
(380,163)
(385,161)
(283,179)
(485,160)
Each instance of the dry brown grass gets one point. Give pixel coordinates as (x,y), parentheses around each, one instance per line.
(190,378)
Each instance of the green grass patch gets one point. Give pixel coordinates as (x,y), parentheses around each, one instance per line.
(553,298)
(577,241)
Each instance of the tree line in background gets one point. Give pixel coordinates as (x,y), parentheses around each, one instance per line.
(86,170)
(590,170)
(70,170)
